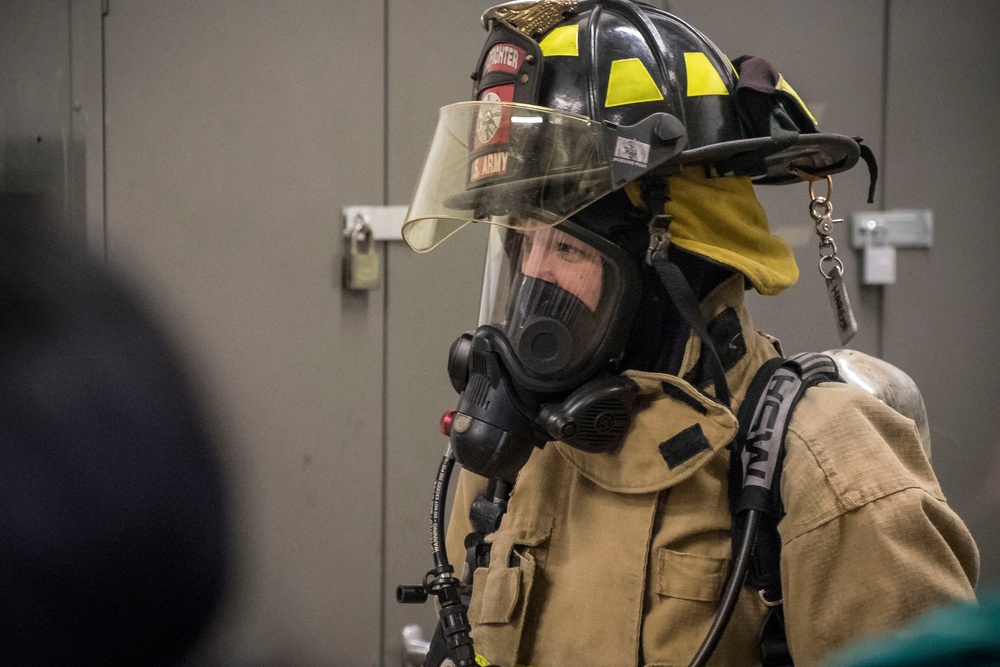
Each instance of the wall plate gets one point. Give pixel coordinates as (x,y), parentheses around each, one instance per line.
(903,228)
(386,222)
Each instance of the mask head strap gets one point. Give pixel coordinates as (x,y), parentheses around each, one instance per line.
(655,193)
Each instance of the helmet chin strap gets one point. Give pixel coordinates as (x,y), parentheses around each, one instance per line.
(655,194)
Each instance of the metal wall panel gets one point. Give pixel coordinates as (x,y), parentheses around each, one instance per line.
(833,59)
(87,122)
(431,299)
(38,154)
(236,132)
(943,138)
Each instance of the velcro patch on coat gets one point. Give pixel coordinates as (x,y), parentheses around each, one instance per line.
(501,589)
(684,445)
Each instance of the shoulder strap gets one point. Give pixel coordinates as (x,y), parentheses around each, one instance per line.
(764,416)
(755,476)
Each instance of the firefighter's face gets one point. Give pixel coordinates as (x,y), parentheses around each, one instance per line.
(556,257)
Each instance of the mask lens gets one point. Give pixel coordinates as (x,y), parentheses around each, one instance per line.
(551,294)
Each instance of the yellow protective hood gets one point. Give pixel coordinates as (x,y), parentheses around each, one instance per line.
(721,218)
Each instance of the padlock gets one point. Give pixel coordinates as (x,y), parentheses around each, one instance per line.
(362,265)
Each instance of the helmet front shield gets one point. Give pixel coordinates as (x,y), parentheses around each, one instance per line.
(492,161)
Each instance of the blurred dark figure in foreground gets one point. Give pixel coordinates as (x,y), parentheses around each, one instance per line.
(113,514)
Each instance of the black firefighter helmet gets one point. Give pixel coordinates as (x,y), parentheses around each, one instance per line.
(574,99)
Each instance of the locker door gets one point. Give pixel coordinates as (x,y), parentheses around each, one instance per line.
(942,140)
(236,132)
(38,148)
(430,299)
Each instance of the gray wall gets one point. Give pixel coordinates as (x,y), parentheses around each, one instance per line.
(235,131)
(940,322)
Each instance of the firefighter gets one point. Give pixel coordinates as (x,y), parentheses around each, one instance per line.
(613,149)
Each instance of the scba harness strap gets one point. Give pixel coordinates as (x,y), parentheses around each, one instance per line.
(755,476)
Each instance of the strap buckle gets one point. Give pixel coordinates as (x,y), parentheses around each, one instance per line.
(659,238)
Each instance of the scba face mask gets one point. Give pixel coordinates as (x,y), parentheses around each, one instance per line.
(557,305)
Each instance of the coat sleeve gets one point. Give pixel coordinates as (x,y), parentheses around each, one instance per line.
(868,540)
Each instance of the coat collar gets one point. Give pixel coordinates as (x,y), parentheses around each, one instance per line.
(679,426)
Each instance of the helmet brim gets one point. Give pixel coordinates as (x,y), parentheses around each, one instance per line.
(770,161)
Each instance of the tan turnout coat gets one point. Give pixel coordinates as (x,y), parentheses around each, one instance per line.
(623,558)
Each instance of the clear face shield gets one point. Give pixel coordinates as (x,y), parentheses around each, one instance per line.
(497,162)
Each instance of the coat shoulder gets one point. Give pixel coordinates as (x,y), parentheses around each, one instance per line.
(845,449)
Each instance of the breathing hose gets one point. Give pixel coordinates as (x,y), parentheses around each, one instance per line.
(454,622)
(732,592)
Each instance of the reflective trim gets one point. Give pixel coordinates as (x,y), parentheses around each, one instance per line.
(483,662)
(784,86)
(562,41)
(702,77)
(630,82)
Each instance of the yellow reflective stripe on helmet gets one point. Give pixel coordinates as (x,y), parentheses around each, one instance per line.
(562,41)
(630,82)
(702,77)
(783,86)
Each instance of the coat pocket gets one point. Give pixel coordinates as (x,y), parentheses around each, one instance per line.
(690,576)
